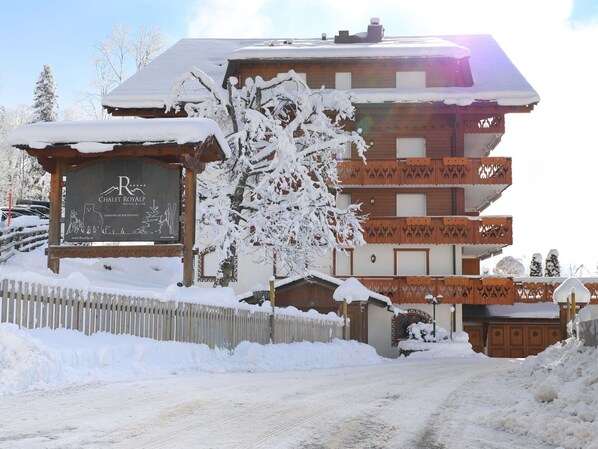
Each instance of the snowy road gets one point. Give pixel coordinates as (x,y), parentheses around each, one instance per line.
(413,404)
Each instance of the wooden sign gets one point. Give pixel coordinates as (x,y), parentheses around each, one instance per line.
(122,200)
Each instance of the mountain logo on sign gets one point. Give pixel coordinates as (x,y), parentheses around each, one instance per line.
(124,185)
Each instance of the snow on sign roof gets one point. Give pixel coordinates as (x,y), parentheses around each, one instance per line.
(406,47)
(495,77)
(101,135)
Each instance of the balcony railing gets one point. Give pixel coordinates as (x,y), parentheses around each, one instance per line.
(440,230)
(427,171)
(469,289)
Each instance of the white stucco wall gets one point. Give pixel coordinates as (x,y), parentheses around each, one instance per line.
(441,259)
(379,325)
(379,331)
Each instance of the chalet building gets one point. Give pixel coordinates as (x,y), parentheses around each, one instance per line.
(431,109)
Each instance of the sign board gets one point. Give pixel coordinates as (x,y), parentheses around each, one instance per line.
(128,200)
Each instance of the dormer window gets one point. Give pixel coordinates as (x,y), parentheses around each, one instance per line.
(342,80)
(410,79)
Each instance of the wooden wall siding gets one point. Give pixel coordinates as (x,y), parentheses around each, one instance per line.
(470,267)
(521,339)
(427,171)
(380,130)
(314,296)
(438,201)
(370,73)
(448,230)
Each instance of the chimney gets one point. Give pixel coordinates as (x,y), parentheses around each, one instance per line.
(375,31)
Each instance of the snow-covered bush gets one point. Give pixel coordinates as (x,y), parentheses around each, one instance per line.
(508,265)
(423,332)
(552,268)
(535,268)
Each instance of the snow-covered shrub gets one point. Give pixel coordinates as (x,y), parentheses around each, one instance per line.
(423,332)
(552,267)
(535,268)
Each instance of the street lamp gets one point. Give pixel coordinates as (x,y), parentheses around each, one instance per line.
(431,299)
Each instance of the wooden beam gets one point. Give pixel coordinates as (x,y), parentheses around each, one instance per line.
(55,215)
(92,252)
(189,227)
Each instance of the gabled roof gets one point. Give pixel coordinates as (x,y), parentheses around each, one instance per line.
(496,79)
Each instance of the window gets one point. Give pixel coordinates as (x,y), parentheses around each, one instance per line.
(342,80)
(411,205)
(207,266)
(343,200)
(411,79)
(412,262)
(343,263)
(411,147)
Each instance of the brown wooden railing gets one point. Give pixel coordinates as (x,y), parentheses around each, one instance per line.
(469,289)
(440,230)
(427,171)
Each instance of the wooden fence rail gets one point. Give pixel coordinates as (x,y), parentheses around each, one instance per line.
(23,238)
(33,305)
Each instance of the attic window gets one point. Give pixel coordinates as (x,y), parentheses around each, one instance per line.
(342,80)
(410,79)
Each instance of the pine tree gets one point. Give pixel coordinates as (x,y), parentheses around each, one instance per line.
(45,100)
(552,268)
(535,268)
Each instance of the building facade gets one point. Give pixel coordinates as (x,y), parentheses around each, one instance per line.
(431,110)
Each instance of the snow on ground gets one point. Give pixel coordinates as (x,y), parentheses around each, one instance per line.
(118,391)
(40,359)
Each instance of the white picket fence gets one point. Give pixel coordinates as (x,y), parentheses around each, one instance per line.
(21,238)
(33,305)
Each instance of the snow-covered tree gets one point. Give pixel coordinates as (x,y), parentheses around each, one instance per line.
(19,172)
(552,267)
(535,268)
(120,54)
(278,188)
(508,265)
(45,99)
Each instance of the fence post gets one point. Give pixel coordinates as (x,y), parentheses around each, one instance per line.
(273,314)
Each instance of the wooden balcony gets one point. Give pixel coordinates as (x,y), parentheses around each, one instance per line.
(468,289)
(439,230)
(454,290)
(426,171)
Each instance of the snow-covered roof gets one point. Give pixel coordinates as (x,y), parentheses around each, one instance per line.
(495,77)
(316,274)
(395,47)
(97,136)
(546,310)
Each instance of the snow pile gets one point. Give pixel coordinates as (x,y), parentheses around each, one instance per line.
(351,290)
(560,387)
(422,345)
(42,358)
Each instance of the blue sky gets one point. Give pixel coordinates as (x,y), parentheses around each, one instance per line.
(552,42)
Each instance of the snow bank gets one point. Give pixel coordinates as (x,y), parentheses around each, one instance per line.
(459,346)
(42,358)
(557,397)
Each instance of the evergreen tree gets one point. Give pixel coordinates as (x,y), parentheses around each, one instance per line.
(535,268)
(45,100)
(552,268)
